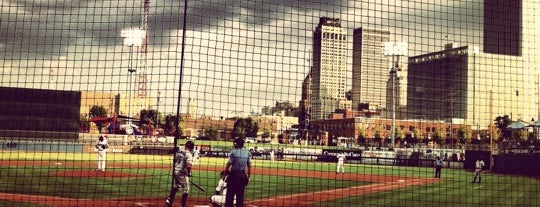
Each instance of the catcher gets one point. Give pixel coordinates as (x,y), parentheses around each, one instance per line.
(218,199)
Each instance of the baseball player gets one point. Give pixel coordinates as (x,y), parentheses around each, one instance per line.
(101,147)
(183,160)
(477,172)
(218,199)
(340,163)
(438,166)
(272,155)
(196,155)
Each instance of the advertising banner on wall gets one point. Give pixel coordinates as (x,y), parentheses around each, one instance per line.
(330,155)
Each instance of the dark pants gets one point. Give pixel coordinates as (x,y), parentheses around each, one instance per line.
(236,185)
(438,171)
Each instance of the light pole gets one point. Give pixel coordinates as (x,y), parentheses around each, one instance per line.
(394,49)
(131,70)
(474,51)
(132,38)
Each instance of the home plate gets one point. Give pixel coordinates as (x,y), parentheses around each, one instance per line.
(401,181)
(58,163)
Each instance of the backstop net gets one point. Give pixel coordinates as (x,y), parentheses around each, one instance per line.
(338,103)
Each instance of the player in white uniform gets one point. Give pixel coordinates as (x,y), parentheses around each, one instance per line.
(272,155)
(101,147)
(218,199)
(477,172)
(341,163)
(196,156)
(183,160)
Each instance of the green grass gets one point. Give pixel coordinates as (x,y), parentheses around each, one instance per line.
(454,189)
(34,179)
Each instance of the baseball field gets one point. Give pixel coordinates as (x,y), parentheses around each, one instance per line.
(65,179)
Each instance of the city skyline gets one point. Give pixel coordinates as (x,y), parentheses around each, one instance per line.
(236,59)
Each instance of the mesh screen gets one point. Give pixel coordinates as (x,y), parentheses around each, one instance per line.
(339,103)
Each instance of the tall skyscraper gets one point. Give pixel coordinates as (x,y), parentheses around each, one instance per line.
(329,67)
(503,27)
(370,70)
(305,105)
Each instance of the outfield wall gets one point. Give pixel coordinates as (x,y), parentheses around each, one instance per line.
(525,164)
(40,146)
(51,146)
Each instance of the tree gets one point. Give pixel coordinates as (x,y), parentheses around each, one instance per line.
(362,136)
(502,123)
(267,134)
(83,123)
(98,111)
(417,135)
(148,118)
(399,134)
(377,137)
(437,135)
(210,132)
(463,134)
(169,127)
(245,127)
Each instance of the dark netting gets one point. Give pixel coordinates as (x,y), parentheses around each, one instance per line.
(337,103)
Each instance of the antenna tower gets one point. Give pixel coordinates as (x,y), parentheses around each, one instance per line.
(142,77)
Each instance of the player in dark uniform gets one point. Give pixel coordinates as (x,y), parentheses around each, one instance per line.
(183,159)
(237,180)
(438,166)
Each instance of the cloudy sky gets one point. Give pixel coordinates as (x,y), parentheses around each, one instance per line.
(240,55)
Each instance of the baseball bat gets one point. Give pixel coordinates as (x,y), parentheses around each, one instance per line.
(197,186)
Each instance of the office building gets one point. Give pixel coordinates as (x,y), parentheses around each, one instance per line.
(464,83)
(503,27)
(329,68)
(370,70)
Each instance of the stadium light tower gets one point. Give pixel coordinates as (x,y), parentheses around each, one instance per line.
(394,49)
(132,38)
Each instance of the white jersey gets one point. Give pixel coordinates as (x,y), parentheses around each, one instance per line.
(196,153)
(101,145)
(479,164)
(341,158)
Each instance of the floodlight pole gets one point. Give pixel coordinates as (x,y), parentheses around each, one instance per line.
(131,70)
(393,72)
(394,49)
(132,38)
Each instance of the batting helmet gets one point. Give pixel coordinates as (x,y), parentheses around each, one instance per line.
(189,145)
(238,143)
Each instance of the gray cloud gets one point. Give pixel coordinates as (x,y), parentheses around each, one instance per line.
(46,28)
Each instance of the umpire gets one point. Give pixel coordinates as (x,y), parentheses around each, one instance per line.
(239,159)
